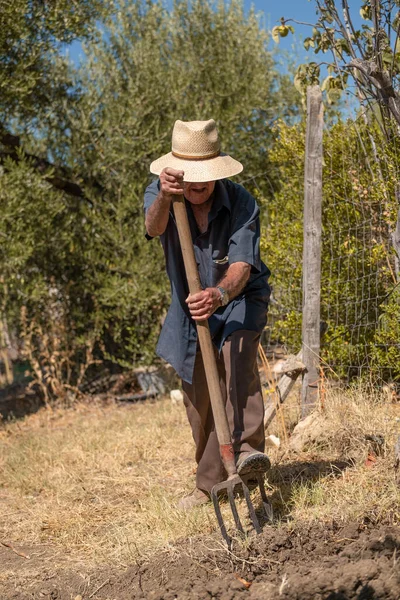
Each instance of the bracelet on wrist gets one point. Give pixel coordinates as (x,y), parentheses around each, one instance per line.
(224,295)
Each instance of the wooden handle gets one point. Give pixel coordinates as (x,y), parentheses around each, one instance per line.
(206,345)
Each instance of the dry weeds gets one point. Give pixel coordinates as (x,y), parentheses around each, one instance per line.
(100,483)
(347,474)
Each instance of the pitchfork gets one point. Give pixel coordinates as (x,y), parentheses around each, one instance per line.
(234,483)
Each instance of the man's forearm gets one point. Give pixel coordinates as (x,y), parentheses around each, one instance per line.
(171,183)
(203,304)
(158,215)
(235,279)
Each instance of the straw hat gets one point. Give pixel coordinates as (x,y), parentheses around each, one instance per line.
(196,151)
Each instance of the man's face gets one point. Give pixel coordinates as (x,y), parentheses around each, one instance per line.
(198,193)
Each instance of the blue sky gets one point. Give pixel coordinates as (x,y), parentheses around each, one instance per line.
(272,11)
(301,10)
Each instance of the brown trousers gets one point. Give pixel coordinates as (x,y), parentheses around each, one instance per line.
(241,390)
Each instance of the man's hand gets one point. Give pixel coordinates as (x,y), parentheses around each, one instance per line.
(203,304)
(171,182)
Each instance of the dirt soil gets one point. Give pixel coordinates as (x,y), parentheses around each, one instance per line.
(332,563)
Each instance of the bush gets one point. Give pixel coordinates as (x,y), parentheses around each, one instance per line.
(359,212)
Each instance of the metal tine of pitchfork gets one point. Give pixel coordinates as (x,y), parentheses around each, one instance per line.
(229,487)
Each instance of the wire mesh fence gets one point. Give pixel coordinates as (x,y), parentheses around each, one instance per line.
(359,259)
(360,300)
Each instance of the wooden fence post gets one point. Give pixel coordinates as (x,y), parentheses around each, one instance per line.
(312,250)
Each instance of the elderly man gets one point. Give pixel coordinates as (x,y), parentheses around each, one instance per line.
(224,222)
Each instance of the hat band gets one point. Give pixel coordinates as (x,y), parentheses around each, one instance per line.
(185,157)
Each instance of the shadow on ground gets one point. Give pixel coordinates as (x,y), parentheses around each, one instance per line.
(18,400)
(286,476)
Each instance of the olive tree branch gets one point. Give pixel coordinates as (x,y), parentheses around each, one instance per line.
(60,178)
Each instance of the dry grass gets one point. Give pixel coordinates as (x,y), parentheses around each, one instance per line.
(101,483)
(342,475)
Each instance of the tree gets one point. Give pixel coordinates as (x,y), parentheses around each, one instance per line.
(34,78)
(89,262)
(369,54)
(31,36)
(148,69)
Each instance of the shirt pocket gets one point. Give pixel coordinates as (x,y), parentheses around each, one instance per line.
(219,266)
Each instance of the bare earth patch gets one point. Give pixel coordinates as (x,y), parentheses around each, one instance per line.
(87,504)
(330,562)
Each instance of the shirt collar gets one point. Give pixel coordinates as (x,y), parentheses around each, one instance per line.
(221,199)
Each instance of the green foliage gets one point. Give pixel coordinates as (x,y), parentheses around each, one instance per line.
(42,238)
(359,210)
(149,68)
(368,54)
(87,281)
(31,34)
(282,233)
(386,349)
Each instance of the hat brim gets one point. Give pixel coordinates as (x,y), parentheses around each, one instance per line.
(199,171)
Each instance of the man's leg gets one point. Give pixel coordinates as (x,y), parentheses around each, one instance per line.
(198,408)
(245,406)
(240,383)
